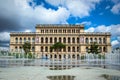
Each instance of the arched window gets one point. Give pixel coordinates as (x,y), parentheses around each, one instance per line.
(86,49)
(46,49)
(73,56)
(78,40)
(42,40)
(68,39)
(73,49)
(91,40)
(73,40)
(51,56)
(100,40)
(20,49)
(51,40)
(69,49)
(78,49)
(33,39)
(104,49)
(33,48)
(104,40)
(16,40)
(55,56)
(41,48)
(28,39)
(20,40)
(86,41)
(95,40)
(64,40)
(24,40)
(55,40)
(16,48)
(46,40)
(59,39)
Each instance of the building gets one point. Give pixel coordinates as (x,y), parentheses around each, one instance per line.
(77,41)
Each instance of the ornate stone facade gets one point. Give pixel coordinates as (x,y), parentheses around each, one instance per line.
(77,41)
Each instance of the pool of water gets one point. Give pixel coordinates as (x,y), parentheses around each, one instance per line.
(61,77)
(110,77)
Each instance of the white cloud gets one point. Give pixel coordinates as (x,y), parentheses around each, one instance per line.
(91,29)
(4,36)
(27,30)
(107,7)
(113,29)
(85,23)
(29,17)
(115,42)
(116,8)
(77,8)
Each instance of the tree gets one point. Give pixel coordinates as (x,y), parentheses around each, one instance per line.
(26,47)
(57,46)
(94,48)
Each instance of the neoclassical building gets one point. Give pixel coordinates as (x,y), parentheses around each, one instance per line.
(77,41)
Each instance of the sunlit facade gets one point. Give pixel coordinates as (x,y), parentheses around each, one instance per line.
(77,41)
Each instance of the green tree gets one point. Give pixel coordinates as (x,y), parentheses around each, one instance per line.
(26,47)
(94,48)
(57,46)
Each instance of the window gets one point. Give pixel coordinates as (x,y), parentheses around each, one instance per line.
(16,40)
(73,40)
(33,39)
(104,40)
(95,40)
(42,40)
(73,49)
(46,49)
(77,31)
(46,40)
(20,49)
(24,40)
(28,39)
(51,31)
(55,40)
(69,31)
(60,31)
(68,39)
(59,39)
(68,49)
(78,49)
(50,39)
(104,49)
(16,49)
(91,40)
(86,49)
(86,40)
(46,31)
(78,40)
(100,41)
(64,40)
(20,40)
(41,49)
(33,48)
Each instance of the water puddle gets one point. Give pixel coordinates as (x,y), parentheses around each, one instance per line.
(110,77)
(59,67)
(61,77)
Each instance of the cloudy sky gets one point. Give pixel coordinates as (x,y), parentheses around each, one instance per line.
(23,15)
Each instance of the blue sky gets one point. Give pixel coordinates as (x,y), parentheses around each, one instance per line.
(23,15)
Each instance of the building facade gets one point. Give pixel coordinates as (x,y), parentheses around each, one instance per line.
(77,41)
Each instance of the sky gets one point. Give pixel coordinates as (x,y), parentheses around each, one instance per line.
(23,15)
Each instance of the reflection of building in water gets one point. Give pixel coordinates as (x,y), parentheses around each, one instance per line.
(73,36)
(61,77)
